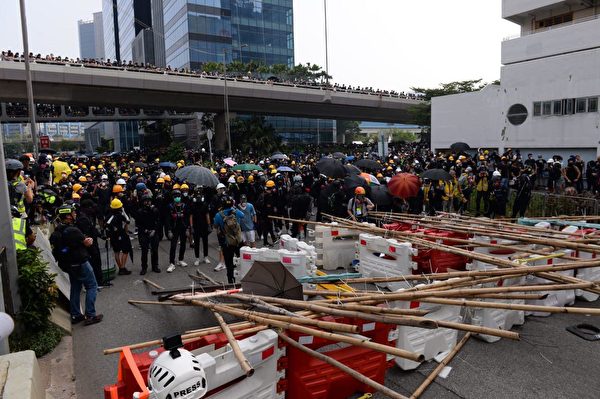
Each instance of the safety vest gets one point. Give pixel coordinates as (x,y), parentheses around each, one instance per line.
(20,202)
(18,225)
(482,184)
(448,190)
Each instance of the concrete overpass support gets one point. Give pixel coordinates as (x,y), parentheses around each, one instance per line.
(220,138)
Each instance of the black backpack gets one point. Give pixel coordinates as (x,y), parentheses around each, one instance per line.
(231,229)
(60,250)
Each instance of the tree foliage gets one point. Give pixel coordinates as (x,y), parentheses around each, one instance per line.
(348,129)
(254,135)
(399,135)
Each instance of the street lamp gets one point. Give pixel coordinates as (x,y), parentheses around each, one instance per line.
(326,46)
(29,85)
(242,52)
(226,98)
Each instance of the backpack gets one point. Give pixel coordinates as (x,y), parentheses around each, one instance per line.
(231,229)
(60,250)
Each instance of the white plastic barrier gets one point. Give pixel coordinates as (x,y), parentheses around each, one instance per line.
(221,367)
(380,257)
(589,274)
(495,318)
(335,246)
(298,263)
(553,298)
(293,244)
(430,343)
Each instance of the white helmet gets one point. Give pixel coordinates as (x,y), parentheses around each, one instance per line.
(178,377)
(496,174)
(220,186)
(104,177)
(121,182)
(231,179)
(551,160)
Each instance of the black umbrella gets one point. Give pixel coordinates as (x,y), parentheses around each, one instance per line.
(278,156)
(198,175)
(140,165)
(380,196)
(331,168)
(271,279)
(436,174)
(352,170)
(368,164)
(338,155)
(47,151)
(460,147)
(353,181)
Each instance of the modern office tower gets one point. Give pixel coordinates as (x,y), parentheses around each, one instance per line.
(547,100)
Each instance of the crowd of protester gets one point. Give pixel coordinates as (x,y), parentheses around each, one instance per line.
(307,82)
(119,197)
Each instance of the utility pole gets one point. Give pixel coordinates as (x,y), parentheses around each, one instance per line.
(31,107)
(227,125)
(326,46)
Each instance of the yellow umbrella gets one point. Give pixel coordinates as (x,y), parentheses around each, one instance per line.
(60,167)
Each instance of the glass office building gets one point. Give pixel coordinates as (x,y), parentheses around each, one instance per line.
(200,31)
(111,29)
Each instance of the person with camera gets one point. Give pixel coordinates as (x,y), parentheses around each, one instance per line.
(70,249)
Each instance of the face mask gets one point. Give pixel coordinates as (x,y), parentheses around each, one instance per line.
(177,200)
(185,194)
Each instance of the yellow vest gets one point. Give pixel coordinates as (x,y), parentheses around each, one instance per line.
(21,203)
(448,190)
(482,184)
(18,225)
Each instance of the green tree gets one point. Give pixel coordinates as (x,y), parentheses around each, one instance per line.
(254,134)
(399,135)
(347,129)
(175,152)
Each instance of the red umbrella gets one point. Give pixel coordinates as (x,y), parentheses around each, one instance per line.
(404,185)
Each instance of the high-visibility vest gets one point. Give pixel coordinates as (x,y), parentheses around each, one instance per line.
(20,202)
(18,225)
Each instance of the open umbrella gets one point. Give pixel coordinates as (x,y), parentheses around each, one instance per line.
(370,179)
(140,165)
(350,158)
(338,155)
(197,175)
(278,156)
(285,169)
(380,196)
(271,279)
(230,162)
(460,147)
(368,164)
(167,165)
(352,170)
(246,167)
(331,168)
(404,185)
(59,168)
(47,151)
(353,181)
(436,174)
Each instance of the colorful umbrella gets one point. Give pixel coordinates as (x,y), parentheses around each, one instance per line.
(246,167)
(230,162)
(404,185)
(372,180)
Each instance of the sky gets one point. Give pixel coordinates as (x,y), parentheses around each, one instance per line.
(385,44)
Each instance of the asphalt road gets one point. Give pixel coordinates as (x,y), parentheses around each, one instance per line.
(547,363)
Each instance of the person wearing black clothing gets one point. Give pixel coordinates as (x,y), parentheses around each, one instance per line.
(300,206)
(178,224)
(265,207)
(86,222)
(70,248)
(540,167)
(200,223)
(498,199)
(148,224)
(523,186)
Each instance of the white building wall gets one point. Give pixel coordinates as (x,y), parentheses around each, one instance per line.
(512,8)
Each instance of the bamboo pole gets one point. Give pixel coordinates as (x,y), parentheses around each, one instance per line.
(324,358)
(237,352)
(142,302)
(310,331)
(513,306)
(419,391)
(153,284)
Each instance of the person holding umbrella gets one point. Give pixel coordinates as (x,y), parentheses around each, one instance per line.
(360,205)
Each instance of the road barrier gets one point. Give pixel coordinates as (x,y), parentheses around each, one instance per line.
(298,263)
(335,246)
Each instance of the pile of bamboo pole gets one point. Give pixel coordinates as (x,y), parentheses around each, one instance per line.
(467,289)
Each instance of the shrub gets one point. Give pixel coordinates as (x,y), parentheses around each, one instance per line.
(41,342)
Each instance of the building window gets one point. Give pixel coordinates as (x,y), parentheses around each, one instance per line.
(569,106)
(547,108)
(556,107)
(593,104)
(556,20)
(537,108)
(581,105)
(517,114)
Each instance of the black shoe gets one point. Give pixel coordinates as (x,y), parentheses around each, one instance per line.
(106,284)
(156,270)
(143,272)
(77,319)
(93,320)
(124,272)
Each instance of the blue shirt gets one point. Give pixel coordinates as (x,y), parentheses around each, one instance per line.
(247,223)
(218,222)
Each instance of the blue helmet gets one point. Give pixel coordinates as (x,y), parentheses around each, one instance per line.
(140,186)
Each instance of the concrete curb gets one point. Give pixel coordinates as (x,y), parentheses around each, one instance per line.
(23,379)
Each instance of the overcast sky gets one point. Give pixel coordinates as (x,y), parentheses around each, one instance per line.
(387,44)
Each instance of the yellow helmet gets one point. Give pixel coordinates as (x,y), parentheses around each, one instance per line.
(75,196)
(389,168)
(176,186)
(293,163)
(184,187)
(273,171)
(92,167)
(240,179)
(223,170)
(167,178)
(100,166)
(379,176)
(157,160)
(77,187)
(250,179)
(179,165)
(138,170)
(160,180)
(124,174)
(83,166)
(82,179)
(116,204)
(270,184)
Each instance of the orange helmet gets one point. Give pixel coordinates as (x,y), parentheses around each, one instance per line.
(117,189)
(359,191)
